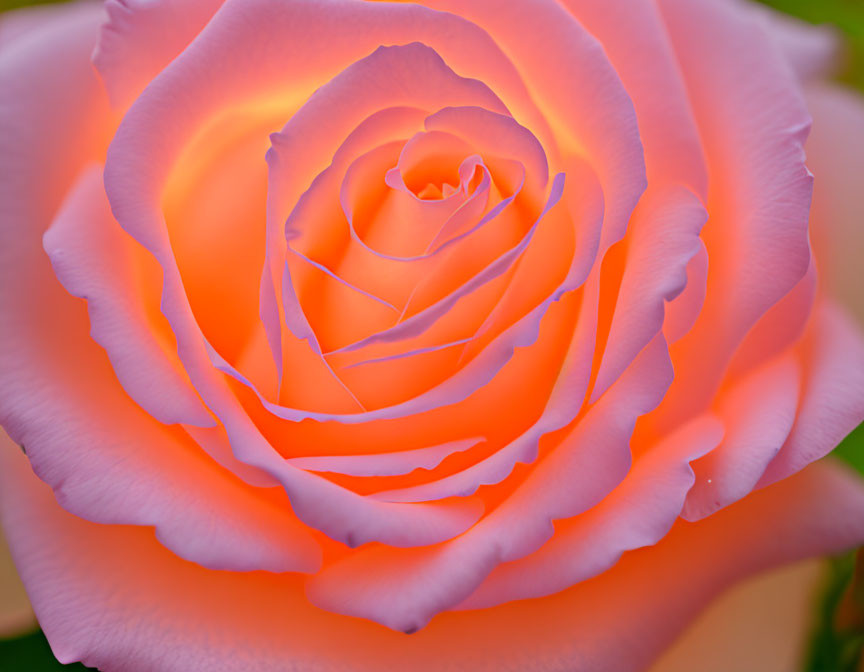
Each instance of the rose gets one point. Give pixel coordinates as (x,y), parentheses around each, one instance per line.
(492,331)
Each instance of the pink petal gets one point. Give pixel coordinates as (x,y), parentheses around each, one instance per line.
(683,310)
(635,41)
(560,409)
(835,154)
(16,614)
(307,144)
(778,329)
(112,597)
(758,414)
(143,36)
(19,22)
(342,514)
(272,46)
(117,465)
(110,462)
(405,589)
(638,513)
(419,322)
(753,124)
(663,238)
(467,380)
(549,46)
(384,464)
(494,134)
(832,396)
(97,261)
(812,51)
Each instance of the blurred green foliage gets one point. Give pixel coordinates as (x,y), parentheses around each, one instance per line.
(6,5)
(831,650)
(31,653)
(833,647)
(847,16)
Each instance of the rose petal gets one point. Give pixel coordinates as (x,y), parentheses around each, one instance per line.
(586,208)
(339,37)
(97,261)
(344,515)
(16,614)
(384,464)
(314,380)
(214,206)
(779,328)
(753,124)
(663,238)
(398,208)
(638,513)
(120,465)
(383,275)
(835,154)
(811,51)
(405,589)
(308,142)
(467,380)
(635,41)
(832,396)
(495,134)
(682,311)
(758,414)
(549,46)
(91,583)
(419,322)
(141,37)
(564,403)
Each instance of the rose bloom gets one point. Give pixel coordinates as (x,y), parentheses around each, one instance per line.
(501,323)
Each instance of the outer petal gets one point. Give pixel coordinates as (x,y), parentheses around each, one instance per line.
(41,101)
(778,329)
(753,124)
(141,37)
(96,260)
(835,154)
(761,624)
(832,397)
(107,459)
(639,512)
(663,238)
(110,596)
(17,23)
(110,462)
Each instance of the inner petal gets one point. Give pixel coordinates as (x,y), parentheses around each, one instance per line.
(432,159)
(214,205)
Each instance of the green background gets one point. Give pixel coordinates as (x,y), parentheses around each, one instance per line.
(830,650)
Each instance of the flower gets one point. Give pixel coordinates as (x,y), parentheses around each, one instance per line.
(398,314)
